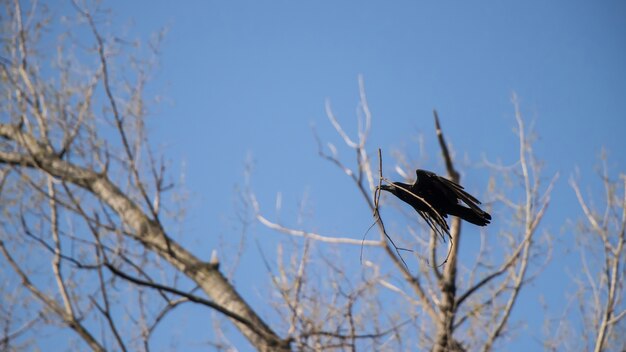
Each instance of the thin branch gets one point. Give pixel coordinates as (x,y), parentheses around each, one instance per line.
(69,320)
(310,235)
(512,259)
(119,119)
(377,217)
(338,128)
(106,310)
(447,158)
(190,297)
(8,336)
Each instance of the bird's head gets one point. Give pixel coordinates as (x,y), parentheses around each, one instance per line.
(395,187)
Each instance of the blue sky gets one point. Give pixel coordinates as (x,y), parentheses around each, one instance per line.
(247,78)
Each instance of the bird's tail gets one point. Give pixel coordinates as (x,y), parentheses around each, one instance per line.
(481,218)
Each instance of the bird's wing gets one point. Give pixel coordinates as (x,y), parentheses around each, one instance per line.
(459,189)
(421,174)
(436,222)
(460,193)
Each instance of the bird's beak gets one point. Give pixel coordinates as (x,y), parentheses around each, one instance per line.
(388,188)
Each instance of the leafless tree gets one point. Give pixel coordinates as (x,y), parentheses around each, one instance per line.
(455,306)
(601,244)
(84,193)
(82,189)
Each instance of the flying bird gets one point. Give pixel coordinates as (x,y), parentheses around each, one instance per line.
(435,197)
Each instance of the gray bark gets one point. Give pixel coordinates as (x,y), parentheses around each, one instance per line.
(38,155)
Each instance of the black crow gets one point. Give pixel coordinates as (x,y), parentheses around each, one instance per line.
(439,197)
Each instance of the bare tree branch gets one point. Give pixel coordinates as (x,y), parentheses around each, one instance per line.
(64,116)
(611,232)
(447,281)
(63,313)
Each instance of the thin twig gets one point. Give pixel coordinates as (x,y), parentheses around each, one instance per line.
(377,217)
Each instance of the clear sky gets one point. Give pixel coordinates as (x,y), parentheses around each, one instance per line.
(247,78)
